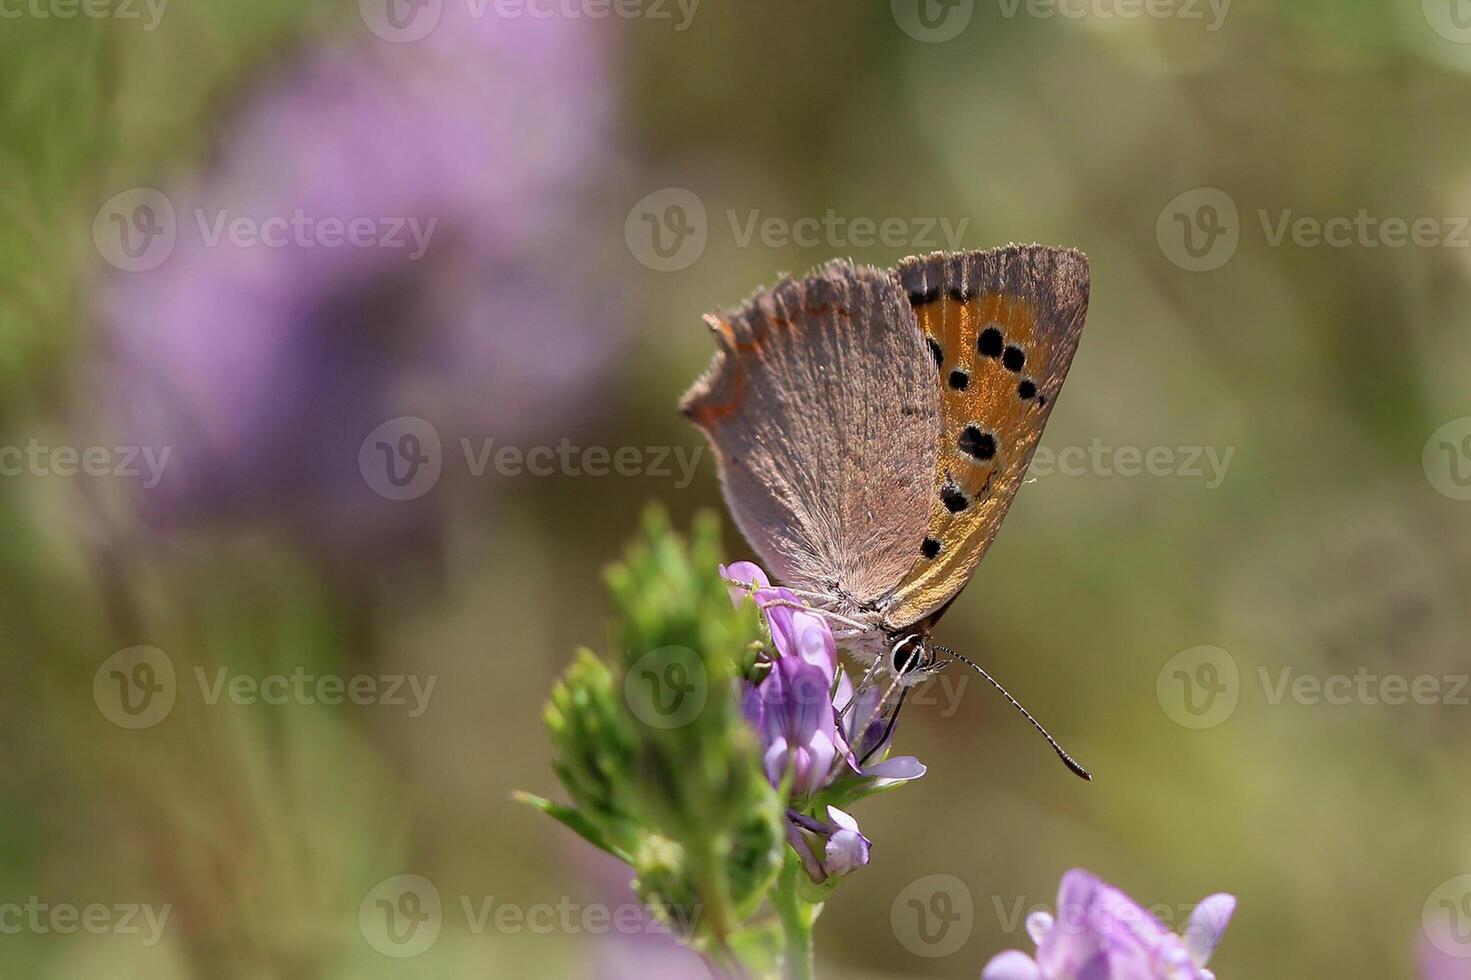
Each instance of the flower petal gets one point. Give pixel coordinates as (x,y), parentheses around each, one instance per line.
(1073,942)
(1207,925)
(901,768)
(847,849)
(1012,965)
(743,571)
(1039,925)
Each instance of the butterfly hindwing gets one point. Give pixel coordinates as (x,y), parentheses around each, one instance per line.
(823,411)
(1000,328)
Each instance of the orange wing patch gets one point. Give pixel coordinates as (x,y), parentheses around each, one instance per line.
(1002,344)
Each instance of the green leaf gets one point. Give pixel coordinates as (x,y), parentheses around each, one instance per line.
(573,820)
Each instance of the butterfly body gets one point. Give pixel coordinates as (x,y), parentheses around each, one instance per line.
(872,426)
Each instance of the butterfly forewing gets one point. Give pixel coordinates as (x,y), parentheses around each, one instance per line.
(1000,328)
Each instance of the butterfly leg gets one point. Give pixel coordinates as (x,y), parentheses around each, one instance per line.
(819,611)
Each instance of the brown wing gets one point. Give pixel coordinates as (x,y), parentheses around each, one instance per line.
(1001,326)
(822,409)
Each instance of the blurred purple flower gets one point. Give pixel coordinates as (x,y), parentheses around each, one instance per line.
(1102,934)
(1437,963)
(634,946)
(467,162)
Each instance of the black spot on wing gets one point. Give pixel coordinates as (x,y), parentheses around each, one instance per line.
(990,342)
(976,443)
(953,498)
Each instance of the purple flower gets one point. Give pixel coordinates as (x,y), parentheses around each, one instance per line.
(866,734)
(791,709)
(1102,934)
(829,848)
(847,848)
(463,166)
(795,631)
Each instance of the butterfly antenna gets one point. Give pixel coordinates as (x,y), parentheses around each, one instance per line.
(1067,760)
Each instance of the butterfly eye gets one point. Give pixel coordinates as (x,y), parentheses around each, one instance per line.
(909,654)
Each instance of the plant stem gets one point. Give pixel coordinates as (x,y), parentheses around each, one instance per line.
(797,918)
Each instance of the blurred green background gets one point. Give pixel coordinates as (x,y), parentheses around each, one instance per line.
(1335,543)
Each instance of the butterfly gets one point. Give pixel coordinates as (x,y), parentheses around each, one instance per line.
(872,427)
